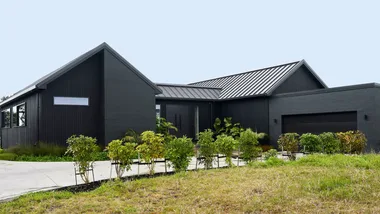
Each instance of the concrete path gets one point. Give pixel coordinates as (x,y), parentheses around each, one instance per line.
(18,178)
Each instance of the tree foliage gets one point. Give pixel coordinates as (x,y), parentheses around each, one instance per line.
(227,127)
(84,151)
(207,147)
(249,145)
(179,152)
(122,153)
(352,141)
(151,149)
(311,143)
(330,143)
(226,145)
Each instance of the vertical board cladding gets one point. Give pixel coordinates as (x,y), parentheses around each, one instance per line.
(59,122)
(26,135)
(362,101)
(129,102)
(169,108)
(300,80)
(250,113)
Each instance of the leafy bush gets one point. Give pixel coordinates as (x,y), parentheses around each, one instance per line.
(132,137)
(163,127)
(270,153)
(84,151)
(8,156)
(227,127)
(289,142)
(179,152)
(207,147)
(330,143)
(249,145)
(39,149)
(226,145)
(122,154)
(152,148)
(311,143)
(1,151)
(352,141)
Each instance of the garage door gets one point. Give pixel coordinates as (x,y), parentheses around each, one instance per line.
(318,123)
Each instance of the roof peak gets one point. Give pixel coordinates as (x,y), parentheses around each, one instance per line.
(255,70)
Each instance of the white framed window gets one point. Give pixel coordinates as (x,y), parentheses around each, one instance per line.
(158,111)
(71,101)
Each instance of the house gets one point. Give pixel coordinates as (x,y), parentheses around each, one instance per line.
(100,94)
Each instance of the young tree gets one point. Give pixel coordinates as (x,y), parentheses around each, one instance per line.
(207,147)
(249,145)
(151,149)
(179,152)
(122,154)
(226,145)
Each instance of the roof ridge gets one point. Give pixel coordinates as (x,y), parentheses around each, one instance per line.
(259,69)
(186,86)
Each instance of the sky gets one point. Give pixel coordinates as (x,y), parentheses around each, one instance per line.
(188,41)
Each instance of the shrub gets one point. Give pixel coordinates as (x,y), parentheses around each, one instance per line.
(179,152)
(330,143)
(289,142)
(270,153)
(249,145)
(1,151)
(352,141)
(226,145)
(39,149)
(311,143)
(163,127)
(122,154)
(132,137)
(207,147)
(227,127)
(84,151)
(8,156)
(152,148)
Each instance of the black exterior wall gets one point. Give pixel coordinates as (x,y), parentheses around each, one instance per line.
(25,135)
(206,113)
(364,100)
(129,101)
(59,122)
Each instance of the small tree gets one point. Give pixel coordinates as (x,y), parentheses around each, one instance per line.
(311,143)
(249,145)
(179,152)
(122,154)
(330,143)
(84,151)
(289,142)
(227,127)
(226,145)
(151,149)
(207,147)
(352,141)
(271,153)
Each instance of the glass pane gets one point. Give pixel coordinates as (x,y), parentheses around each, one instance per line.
(6,118)
(14,117)
(21,115)
(72,101)
(158,111)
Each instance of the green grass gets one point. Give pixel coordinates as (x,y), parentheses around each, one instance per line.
(315,184)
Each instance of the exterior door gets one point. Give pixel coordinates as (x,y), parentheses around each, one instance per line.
(182,117)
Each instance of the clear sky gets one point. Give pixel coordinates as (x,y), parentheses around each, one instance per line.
(183,42)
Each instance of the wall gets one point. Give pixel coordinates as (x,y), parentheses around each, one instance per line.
(300,80)
(129,102)
(251,113)
(365,101)
(26,135)
(60,122)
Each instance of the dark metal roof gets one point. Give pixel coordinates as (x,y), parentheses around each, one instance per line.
(42,82)
(260,82)
(183,92)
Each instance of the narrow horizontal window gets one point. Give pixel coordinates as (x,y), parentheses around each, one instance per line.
(71,101)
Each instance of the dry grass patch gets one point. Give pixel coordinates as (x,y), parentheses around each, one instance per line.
(294,187)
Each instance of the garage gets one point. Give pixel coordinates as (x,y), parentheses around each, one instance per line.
(318,123)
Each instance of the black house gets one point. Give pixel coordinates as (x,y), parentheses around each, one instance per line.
(100,94)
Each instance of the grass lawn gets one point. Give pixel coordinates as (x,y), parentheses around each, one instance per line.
(326,184)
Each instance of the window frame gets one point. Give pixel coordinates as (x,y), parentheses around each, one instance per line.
(68,103)
(3,126)
(17,107)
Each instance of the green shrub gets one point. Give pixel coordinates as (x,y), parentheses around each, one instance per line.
(152,148)
(179,152)
(226,145)
(39,149)
(84,151)
(330,143)
(132,137)
(249,145)
(122,154)
(1,151)
(163,127)
(8,156)
(352,142)
(311,143)
(207,147)
(289,142)
(270,153)
(227,127)
(46,158)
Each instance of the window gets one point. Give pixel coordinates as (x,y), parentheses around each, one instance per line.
(196,121)
(158,111)
(6,118)
(71,101)
(19,115)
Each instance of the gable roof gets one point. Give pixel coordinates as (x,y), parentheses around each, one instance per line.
(190,92)
(43,81)
(260,82)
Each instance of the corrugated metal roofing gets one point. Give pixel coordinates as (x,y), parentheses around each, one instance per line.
(252,83)
(176,91)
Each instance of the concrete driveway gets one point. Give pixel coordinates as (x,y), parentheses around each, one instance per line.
(17,178)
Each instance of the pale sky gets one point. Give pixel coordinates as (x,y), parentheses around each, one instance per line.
(178,42)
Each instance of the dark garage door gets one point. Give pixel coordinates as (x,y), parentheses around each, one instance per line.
(318,123)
